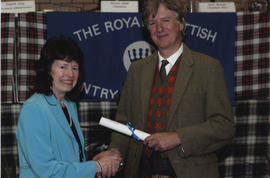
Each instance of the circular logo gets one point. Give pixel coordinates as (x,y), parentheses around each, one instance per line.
(135,51)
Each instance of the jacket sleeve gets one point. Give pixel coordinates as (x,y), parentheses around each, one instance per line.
(37,154)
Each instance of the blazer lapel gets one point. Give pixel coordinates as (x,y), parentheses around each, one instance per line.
(182,79)
(148,72)
(58,114)
(75,120)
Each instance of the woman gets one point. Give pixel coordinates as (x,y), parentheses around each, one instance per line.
(50,141)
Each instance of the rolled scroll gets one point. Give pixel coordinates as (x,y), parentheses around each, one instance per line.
(124,129)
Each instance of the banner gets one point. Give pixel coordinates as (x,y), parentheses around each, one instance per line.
(110,42)
(214,34)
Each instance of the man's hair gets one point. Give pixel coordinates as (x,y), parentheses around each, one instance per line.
(150,7)
(58,48)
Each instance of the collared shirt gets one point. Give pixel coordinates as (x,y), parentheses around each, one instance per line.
(172,59)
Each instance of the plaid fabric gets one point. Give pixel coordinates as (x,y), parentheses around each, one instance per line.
(160,101)
(7,57)
(252,58)
(157,121)
(9,155)
(97,138)
(31,38)
(249,154)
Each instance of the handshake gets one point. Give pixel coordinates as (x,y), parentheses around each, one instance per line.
(108,163)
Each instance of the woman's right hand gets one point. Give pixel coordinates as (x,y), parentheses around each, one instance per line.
(107,163)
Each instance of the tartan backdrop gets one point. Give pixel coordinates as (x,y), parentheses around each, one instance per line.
(248,155)
(31,37)
(97,138)
(252,64)
(9,154)
(7,57)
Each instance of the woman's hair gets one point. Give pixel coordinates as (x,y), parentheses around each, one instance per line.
(58,48)
(150,7)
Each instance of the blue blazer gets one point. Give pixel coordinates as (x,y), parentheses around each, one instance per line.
(46,144)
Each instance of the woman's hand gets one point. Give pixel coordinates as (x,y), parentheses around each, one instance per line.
(107,163)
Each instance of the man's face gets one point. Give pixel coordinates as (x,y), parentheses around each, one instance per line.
(165,29)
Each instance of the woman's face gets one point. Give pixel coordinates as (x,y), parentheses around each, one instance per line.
(65,76)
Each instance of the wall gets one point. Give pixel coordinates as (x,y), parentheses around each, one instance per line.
(93,5)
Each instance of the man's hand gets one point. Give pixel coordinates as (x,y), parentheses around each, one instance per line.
(108,163)
(162,141)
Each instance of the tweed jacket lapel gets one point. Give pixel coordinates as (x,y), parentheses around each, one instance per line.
(182,78)
(148,72)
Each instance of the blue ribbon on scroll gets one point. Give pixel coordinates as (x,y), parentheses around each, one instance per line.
(133,135)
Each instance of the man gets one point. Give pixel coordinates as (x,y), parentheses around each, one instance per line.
(188,114)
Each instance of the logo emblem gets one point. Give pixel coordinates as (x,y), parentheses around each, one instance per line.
(135,51)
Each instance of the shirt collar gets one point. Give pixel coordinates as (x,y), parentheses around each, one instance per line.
(172,59)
